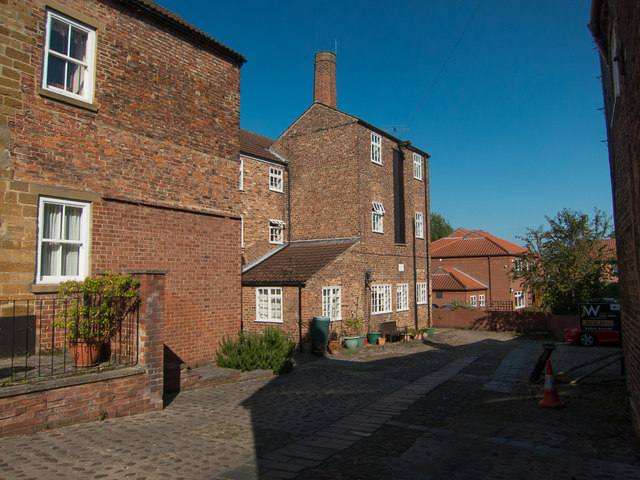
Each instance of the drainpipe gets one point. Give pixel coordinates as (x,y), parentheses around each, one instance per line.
(427,216)
(300,317)
(286,167)
(415,277)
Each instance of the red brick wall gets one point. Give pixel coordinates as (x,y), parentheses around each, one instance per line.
(325,190)
(624,150)
(85,398)
(201,255)
(521,322)
(259,205)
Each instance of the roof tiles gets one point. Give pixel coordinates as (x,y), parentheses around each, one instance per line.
(473,243)
(452,279)
(295,263)
(256,145)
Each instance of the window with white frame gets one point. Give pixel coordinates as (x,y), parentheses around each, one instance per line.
(381,299)
(417,166)
(69,57)
(517,265)
(481,300)
(419,225)
(377,217)
(332,302)
(402,297)
(275,179)
(473,301)
(241,179)
(376,148)
(421,293)
(520,299)
(276,231)
(63,240)
(269,304)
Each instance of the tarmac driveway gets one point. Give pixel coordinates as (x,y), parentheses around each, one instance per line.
(457,406)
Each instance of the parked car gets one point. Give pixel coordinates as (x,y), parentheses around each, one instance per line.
(587,339)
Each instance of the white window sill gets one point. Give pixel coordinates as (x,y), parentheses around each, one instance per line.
(381,313)
(403,310)
(269,321)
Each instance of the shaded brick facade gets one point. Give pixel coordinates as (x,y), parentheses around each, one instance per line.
(614,25)
(153,152)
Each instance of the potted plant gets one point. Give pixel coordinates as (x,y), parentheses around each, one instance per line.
(94,313)
(334,343)
(352,332)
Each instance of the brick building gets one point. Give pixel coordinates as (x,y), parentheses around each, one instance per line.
(472,259)
(264,193)
(118,151)
(614,26)
(356,189)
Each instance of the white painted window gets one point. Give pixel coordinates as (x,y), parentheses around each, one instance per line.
(402,297)
(276,231)
(417,166)
(481,300)
(380,299)
(241,179)
(520,299)
(69,57)
(376,148)
(473,300)
(275,179)
(421,293)
(332,302)
(269,304)
(241,231)
(63,240)
(419,225)
(377,217)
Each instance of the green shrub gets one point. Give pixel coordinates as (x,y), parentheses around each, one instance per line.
(272,350)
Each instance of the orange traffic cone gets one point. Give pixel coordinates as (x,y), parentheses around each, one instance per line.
(550,398)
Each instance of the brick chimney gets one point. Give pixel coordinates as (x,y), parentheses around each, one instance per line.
(324,84)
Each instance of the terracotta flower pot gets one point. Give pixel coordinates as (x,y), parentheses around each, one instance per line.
(85,354)
(381,340)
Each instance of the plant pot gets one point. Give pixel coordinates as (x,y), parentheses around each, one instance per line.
(381,340)
(351,342)
(85,354)
(334,347)
(373,337)
(361,340)
(430,331)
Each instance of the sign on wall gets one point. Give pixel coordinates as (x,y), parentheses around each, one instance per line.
(600,317)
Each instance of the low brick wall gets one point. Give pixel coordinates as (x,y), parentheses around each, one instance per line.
(27,408)
(516,321)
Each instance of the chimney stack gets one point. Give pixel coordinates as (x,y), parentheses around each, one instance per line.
(324,85)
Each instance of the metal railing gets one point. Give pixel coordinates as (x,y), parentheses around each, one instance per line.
(35,343)
(499,306)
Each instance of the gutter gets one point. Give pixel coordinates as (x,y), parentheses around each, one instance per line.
(594,28)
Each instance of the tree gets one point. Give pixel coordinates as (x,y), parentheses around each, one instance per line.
(440,228)
(566,264)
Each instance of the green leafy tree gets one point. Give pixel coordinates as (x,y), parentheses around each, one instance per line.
(566,264)
(440,228)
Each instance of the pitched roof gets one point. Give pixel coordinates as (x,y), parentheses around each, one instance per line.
(452,279)
(296,263)
(473,243)
(256,145)
(167,16)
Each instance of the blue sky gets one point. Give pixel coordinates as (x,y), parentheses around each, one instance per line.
(511,121)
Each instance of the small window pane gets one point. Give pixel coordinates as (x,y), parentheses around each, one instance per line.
(70,260)
(55,72)
(75,79)
(78,44)
(52,221)
(59,38)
